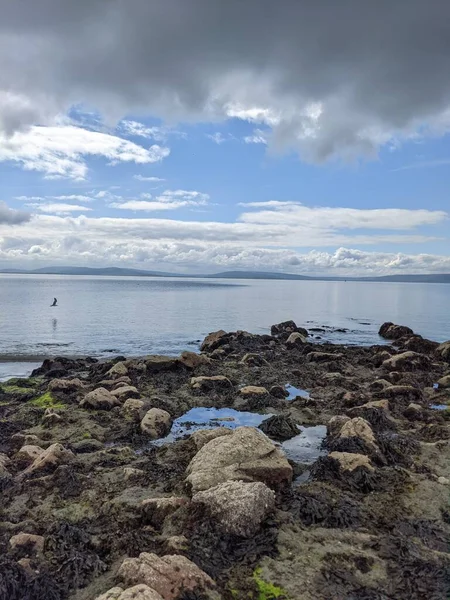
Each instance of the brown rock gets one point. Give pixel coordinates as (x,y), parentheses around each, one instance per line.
(170,575)
(155,510)
(379,384)
(237,508)
(137,592)
(360,428)
(100,399)
(253,390)
(253,360)
(191,360)
(132,406)
(296,339)
(29,453)
(213,341)
(156,423)
(443,350)
(156,363)
(401,392)
(50,458)
(32,544)
(176,544)
(390,331)
(245,455)
(349,462)
(335,425)
(51,417)
(125,391)
(208,383)
(203,436)
(118,370)
(444,382)
(414,412)
(407,361)
(66,385)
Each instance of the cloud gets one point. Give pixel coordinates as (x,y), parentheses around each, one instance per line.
(144,178)
(217,138)
(9,216)
(288,69)
(425,164)
(65,198)
(168,200)
(134,128)
(61,151)
(268,204)
(258,137)
(59,208)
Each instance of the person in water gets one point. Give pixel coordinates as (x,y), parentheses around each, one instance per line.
(55,301)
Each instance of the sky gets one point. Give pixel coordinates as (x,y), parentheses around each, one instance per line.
(198,136)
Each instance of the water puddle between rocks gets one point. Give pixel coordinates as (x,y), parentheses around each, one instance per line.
(439,406)
(295,392)
(307,446)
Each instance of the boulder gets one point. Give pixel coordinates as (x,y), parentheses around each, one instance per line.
(236,507)
(335,425)
(171,576)
(156,363)
(253,360)
(349,462)
(155,510)
(359,428)
(156,423)
(444,382)
(137,592)
(216,382)
(132,406)
(29,453)
(390,331)
(214,340)
(114,383)
(125,391)
(51,417)
(280,427)
(323,356)
(245,455)
(379,384)
(87,446)
(401,393)
(407,361)
(285,329)
(414,412)
(118,370)
(26,542)
(418,344)
(203,436)
(253,390)
(443,350)
(100,399)
(50,458)
(66,385)
(192,360)
(296,339)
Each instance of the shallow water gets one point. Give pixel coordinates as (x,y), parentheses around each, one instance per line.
(295,392)
(104,316)
(439,406)
(17,369)
(307,446)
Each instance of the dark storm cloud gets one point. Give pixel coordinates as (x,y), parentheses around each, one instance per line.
(9,216)
(333,77)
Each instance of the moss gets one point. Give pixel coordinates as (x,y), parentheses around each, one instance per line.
(14,389)
(267,591)
(22,382)
(86,435)
(46,401)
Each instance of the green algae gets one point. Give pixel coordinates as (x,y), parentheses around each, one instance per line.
(267,591)
(46,401)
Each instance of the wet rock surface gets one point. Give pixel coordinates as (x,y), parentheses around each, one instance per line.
(148,484)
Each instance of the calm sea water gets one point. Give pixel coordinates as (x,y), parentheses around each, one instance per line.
(134,316)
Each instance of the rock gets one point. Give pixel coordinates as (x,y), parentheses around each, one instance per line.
(378,358)
(5,462)
(444,480)
(124,392)
(253,360)
(213,341)
(443,350)
(414,412)
(191,360)
(156,363)
(87,446)
(389,331)
(444,382)
(376,413)
(380,384)
(280,427)
(323,356)
(176,544)
(253,390)
(66,385)
(132,406)
(278,391)
(156,423)
(418,344)
(29,453)
(137,592)
(407,361)
(208,383)
(203,436)
(50,458)
(285,329)
(26,542)
(349,462)
(155,510)
(245,455)
(400,393)
(335,425)
(22,439)
(218,354)
(132,473)
(118,370)
(51,417)
(114,383)
(358,427)
(296,339)
(171,575)
(100,399)
(236,507)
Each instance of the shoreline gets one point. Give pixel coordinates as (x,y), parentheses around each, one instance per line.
(265,466)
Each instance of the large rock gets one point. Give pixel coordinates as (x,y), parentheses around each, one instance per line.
(284,329)
(50,458)
(444,382)
(236,507)
(203,436)
(100,399)
(296,339)
(120,369)
(443,350)
(66,385)
(156,363)
(401,393)
(245,455)
(253,360)
(348,461)
(216,382)
(407,361)
(418,344)
(124,392)
(323,356)
(156,423)
(132,407)
(26,542)
(155,510)
(358,428)
(390,331)
(213,341)
(171,576)
(137,592)
(29,453)
(280,427)
(192,360)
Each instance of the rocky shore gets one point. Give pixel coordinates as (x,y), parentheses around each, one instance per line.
(322,473)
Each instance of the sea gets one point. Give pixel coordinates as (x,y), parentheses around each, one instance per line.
(133,316)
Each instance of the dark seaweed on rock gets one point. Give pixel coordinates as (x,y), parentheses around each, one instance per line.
(354,445)
(360,479)
(12,579)
(431,533)
(398,449)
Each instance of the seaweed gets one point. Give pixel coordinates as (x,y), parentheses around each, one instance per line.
(12,579)
(398,449)
(360,479)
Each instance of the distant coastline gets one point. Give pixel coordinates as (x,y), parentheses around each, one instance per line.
(125,272)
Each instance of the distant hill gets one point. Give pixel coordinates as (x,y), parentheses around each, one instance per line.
(125,272)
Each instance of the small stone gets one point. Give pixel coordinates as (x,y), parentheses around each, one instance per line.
(125,391)
(32,544)
(132,406)
(5,462)
(278,391)
(156,423)
(156,510)
(414,412)
(208,383)
(349,461)
(132,473)
(253,390)
(156,363)
(51,418)
(137,592)
(360,428)
(100,399)
(444,480)
(176,544)
(444,382)
(254,360)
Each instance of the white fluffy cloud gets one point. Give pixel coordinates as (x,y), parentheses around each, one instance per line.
(168,200)
(9,216)
(58,208)
(145,178)
(61,151)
